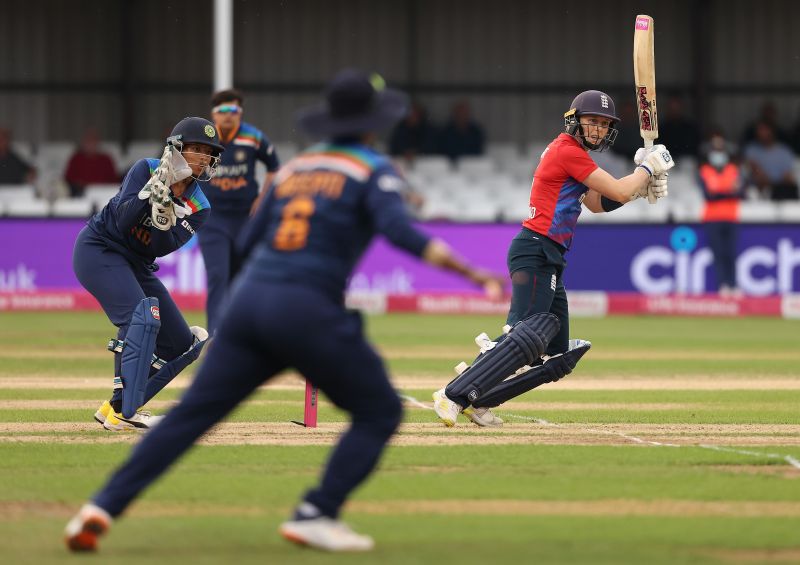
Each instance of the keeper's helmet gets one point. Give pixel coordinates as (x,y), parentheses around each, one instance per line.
(196,130)
(595,103)
(200,131)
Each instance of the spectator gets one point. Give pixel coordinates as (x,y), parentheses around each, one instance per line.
(461,135)
(677,131)
(13,170)
(89,166)
(415,135)
(771,164)
(721,180)
(628,138)
(769,114)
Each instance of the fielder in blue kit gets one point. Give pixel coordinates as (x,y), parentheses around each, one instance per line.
(287,310)
(233,193)
(158,208)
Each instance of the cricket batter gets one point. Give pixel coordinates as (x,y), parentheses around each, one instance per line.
(287,310)
(159,208)
(233,194)
(565,178)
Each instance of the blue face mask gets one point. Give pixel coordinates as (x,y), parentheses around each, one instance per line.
(718,159)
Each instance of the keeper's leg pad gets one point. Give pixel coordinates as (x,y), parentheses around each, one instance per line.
(526,342)
(137,355)
(553,369)
(171,369)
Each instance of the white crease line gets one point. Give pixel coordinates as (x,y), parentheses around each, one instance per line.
(786,458)
(414,402)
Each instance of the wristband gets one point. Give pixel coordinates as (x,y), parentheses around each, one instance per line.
(648,171)
(608,205)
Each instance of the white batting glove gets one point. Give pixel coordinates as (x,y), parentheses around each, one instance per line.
(658,161)
(643,152)
(641,193)
(657,187)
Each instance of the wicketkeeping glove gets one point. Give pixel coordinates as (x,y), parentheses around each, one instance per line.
(171,168)
(160,194)
(164,217)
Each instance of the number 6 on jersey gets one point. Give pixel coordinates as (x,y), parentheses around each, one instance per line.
(292,232)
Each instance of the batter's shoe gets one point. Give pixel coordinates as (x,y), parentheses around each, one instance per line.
(446,409)
(86,526)
(483,417)
(103,412)
(326,534)
(142,420)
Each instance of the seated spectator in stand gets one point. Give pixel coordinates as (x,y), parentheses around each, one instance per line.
(771,164)
(722,183)
(461,135)
(769,115)
(13,170)
(628,139)
(677,131)
(414,135)
(89,166)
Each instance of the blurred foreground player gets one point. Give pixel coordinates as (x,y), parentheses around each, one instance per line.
(158,209)
(565,178)
(287,310)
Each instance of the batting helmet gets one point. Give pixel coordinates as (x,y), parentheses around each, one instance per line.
(196,130)
(595,103)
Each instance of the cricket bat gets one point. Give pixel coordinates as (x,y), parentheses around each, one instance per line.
(644,76)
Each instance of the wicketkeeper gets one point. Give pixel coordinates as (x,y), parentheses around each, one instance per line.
(565,178)
(158,209)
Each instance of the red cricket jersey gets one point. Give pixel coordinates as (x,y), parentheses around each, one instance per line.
(557,189)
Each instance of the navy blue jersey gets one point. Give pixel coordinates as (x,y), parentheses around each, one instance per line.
(321,213)
(234,187)
(125,224)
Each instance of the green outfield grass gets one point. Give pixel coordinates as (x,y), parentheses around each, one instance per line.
(619,463)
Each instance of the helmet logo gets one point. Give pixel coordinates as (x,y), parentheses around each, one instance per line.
(604,100)
(209,131)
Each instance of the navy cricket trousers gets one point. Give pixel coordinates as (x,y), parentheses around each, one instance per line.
(218,245)
(536,265)
(267,327)
(119,286)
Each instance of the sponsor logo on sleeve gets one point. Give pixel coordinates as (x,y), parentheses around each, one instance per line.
(391,183)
